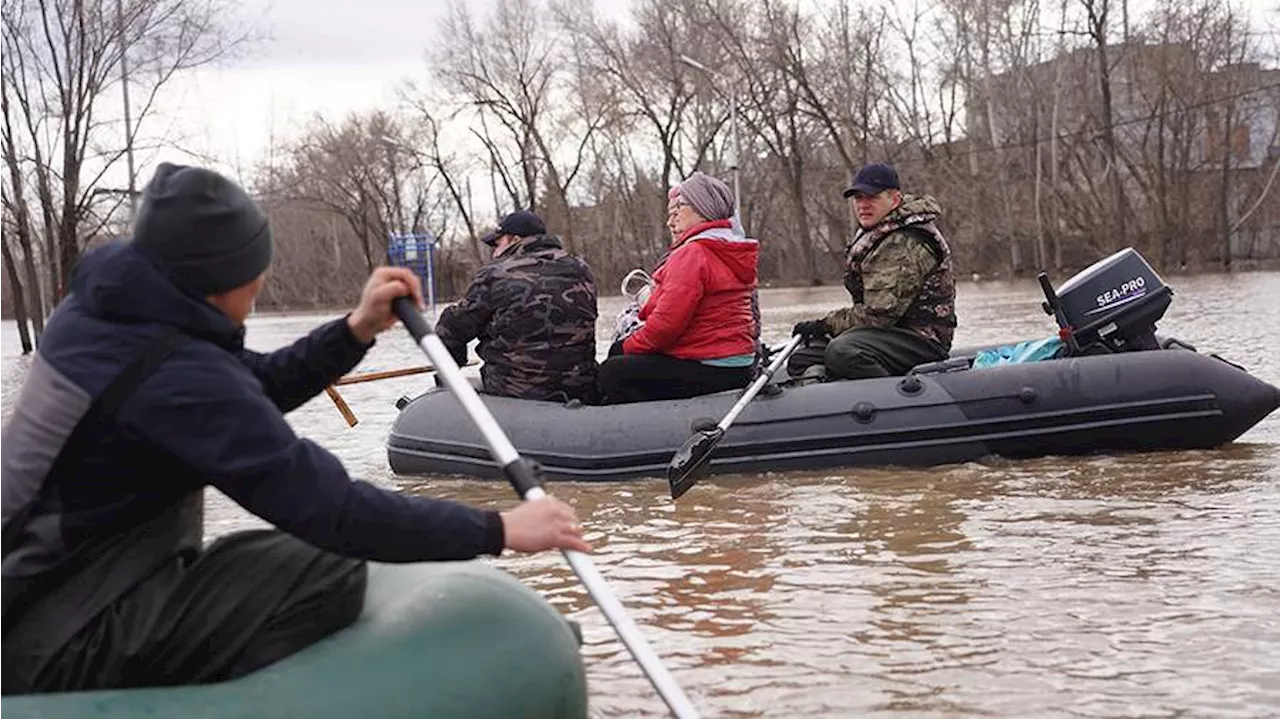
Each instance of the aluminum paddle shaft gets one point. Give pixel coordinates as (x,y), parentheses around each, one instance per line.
(524,478)
(783,355)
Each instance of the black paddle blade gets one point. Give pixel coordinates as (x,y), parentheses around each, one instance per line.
(688,461)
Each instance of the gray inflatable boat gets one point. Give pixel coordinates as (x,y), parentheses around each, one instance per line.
(1117,388)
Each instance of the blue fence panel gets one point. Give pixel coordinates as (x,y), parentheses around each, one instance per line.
(416,252)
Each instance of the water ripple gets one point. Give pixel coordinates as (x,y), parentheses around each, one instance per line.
(1111,586)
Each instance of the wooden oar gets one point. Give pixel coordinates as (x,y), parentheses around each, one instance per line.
(384,374)
(341,404)
(683,472)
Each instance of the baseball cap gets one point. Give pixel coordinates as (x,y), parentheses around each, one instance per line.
(873,179)
(521,223)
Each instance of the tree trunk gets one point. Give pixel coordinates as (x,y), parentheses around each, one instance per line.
(68,255)
(22,220)
(1098,28)
(1009,227)
(35,297)
(561,199)
(1042,251)
(1055,207)
(49,228)
(802,221)
(19,304)
(1224,191)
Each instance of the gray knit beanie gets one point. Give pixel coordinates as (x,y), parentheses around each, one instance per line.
(708,196)
(202,230)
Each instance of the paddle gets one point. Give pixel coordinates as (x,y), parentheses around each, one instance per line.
(383,374)
(683,472)
(342,406)
(524,478)
(341,403)
(359,377)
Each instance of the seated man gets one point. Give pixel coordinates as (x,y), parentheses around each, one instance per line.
(533,307)
(898,272)
(142,394)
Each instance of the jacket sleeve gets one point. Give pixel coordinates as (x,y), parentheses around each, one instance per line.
(464,321)
(678,295)
(294,374)
(219,425)
(892,277)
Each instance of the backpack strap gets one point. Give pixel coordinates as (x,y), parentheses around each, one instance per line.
(104,405)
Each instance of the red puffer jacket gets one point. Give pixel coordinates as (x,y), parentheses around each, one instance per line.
(700,308)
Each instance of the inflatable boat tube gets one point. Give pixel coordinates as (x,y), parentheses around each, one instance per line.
(1131,401)
(448,639)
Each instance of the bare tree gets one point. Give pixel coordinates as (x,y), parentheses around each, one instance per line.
(15,286)
(61,58)
(757,42)
(644,68)
(354,169)
(513,71)
(448,165)
(1233,78)
(1099,28)
(29,305)
(840,84)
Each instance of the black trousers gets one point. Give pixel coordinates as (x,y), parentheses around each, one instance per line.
(638,378)
(250,599)
(864,352)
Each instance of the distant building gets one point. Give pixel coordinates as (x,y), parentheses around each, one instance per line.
(1182,135)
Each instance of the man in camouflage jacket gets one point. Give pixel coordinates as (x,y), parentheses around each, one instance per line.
(898,272)
(533,308)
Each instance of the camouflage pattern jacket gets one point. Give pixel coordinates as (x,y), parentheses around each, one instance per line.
(533,308)
(899,275)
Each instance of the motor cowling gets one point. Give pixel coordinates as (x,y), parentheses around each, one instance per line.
(1113,304)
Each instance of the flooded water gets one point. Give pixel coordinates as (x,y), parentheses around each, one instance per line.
(1114,586)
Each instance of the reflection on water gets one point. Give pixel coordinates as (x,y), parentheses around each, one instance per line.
(1113,586)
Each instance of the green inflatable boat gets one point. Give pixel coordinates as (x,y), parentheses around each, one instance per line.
(455,639)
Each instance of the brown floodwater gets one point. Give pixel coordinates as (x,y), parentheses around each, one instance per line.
(1111,586)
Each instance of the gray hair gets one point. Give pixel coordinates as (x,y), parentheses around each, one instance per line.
(708,196)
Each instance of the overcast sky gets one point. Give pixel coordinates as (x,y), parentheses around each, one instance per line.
(317,56)
(326,32)
(330,57)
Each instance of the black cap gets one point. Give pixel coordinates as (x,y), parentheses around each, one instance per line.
(521,223)
(873,179)
(201,230)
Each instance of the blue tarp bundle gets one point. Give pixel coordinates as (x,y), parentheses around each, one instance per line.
(1023,352)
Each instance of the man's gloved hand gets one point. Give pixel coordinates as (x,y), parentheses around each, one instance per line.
(765,354)
(811,330)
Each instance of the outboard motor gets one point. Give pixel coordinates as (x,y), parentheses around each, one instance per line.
(1111,306)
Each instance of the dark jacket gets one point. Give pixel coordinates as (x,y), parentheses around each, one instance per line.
(211,414)
(533,308)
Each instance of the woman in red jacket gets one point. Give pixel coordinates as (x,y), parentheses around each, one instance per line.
(699,332)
